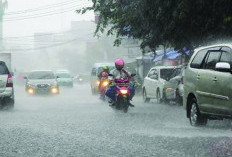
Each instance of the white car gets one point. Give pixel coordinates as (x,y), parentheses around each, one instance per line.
(154,82)
(6,87)
(96,70)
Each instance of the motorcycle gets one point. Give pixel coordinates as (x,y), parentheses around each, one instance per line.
(123,93)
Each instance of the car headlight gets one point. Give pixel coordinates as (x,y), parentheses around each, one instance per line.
(31,91)
(54,90)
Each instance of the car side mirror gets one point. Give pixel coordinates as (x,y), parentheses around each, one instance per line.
(57,77)
(25,77)
(154,77)
(223,67)
(110,75)
(132,75)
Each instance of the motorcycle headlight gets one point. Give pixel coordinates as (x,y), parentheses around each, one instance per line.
(97,83)
(123,91)
(105,83)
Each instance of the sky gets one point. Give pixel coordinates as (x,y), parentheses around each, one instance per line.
(29,10)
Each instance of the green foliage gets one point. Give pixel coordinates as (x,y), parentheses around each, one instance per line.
(175,23)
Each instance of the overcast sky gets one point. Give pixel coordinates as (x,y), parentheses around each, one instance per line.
(53,23)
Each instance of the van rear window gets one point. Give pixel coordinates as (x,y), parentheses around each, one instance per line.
(3,69)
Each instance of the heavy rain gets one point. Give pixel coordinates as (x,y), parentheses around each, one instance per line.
(120,78)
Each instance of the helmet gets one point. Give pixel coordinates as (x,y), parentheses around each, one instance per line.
(119,64)
(105,68)
(104,74)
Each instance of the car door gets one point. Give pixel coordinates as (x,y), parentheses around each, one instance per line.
(93,76)
(3,76)
(206,82)
(222,87)
(148,83)
(155,82)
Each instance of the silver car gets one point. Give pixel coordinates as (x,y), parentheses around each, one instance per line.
(174,87)
(41,82)
(6,87)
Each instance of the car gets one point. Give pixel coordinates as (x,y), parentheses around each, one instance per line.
(207,84)
(174,87)
(7,98)
(154,82)
(41,82)
(64,78)
(97,69)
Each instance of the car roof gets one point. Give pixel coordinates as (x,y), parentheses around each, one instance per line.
(211,46)
(164,67)
(42,71)
(62,71)
(103,64)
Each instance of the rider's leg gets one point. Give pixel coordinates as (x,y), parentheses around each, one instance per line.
(111,93)
(132,93)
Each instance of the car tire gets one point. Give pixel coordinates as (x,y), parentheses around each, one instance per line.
(145,98)
(196,119)
(158,97)
(8,102)
(165,100)
(179,99)
(92,91)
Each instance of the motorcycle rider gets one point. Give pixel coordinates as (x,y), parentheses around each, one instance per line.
(105,69)
(101,85)
(119,73)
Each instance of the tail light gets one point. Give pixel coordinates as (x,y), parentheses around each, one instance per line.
(182,80)
(9,82)
(124,91)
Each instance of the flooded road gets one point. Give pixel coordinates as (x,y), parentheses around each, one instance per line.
(75,123)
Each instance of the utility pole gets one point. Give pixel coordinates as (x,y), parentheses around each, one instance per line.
(3,6)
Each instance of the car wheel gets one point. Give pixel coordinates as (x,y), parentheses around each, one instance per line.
(165,100)
(158,97)
(145,98)
(196,118)
(179,99)
(8,103)
(93,91)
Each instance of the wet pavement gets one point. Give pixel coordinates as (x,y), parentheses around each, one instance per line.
(75,123)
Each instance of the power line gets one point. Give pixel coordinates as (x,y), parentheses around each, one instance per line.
(39,15)
(48,11)
(31,37)
(45,47)
(41,8)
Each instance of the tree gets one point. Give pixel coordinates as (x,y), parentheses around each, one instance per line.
(177,23)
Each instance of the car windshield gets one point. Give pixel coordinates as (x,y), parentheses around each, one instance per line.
(175,72)
(165,73)
(41,75)
(110,68)
(63,75)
